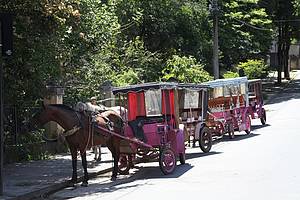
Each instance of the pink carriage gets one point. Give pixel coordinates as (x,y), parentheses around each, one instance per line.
(193,113)
(256,103)
(228,106)
(151,130)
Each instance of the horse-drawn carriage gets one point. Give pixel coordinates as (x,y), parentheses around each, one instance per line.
(256,103)
(228,106)
(152,125)
(193,100)
(152,120)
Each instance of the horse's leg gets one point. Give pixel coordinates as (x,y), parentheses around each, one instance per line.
(116,168)
(110,146)
(74,164)
(116,156)
(84,165)
(99,151)
(95,152)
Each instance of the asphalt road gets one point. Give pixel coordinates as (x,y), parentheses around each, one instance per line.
(262,165)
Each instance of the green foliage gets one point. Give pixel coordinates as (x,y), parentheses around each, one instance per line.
(168,26)
(185,69)
(133,55)
(245,32)
(127,78)
(230,74)
(254,68)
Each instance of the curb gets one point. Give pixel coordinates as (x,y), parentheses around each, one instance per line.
(44,192)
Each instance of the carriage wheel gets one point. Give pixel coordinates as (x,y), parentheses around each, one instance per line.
(125,163)
(205,140)
(248,125)
(231,131)
(263,119)
(182,158)
(167,161)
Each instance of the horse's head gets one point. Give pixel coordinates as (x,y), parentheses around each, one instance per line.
(37,120)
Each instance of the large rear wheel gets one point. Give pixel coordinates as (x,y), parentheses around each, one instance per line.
(167,161)
(205,140)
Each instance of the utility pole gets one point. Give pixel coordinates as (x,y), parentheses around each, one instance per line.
(215,62)
(1,116)
(6,35)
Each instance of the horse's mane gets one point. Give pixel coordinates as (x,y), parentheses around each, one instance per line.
(62,106)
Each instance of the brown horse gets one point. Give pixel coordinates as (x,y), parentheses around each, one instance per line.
(82,132)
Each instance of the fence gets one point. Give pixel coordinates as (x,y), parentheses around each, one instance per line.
(24,146)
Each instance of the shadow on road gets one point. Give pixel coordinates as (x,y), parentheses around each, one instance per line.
(292,91)
(200,154)
(138,178)
(256,127)
(239,137)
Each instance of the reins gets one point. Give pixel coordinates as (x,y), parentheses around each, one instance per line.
(89,135)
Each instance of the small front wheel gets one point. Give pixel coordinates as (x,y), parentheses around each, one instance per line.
(248,125)
(125,163)
(263,118)
(205,140)
(231,131)
(167,161)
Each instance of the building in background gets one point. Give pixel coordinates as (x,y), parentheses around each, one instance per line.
(294,56)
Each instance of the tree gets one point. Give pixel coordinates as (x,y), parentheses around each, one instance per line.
(185,70)
(245,32)
(169,26)
(283,13)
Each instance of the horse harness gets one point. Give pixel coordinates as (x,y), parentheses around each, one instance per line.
(92,122)
(75,128)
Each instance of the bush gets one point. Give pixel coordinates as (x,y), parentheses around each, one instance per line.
(185,70)
(254,69)
(230,74)
(127,78)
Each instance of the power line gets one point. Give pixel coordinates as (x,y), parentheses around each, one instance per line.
(250,25)
(287,20)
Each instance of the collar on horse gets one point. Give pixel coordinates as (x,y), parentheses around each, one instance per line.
(75,128)
(71,131)
(109,124)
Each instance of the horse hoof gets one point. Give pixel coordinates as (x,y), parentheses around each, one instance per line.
(71,184)
(84,184)
(113,178)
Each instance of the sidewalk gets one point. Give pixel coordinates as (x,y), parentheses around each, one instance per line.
(270,87)
(32,179)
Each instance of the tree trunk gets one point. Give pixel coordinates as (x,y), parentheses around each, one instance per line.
(287,43)
(286,62)
(279,54)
